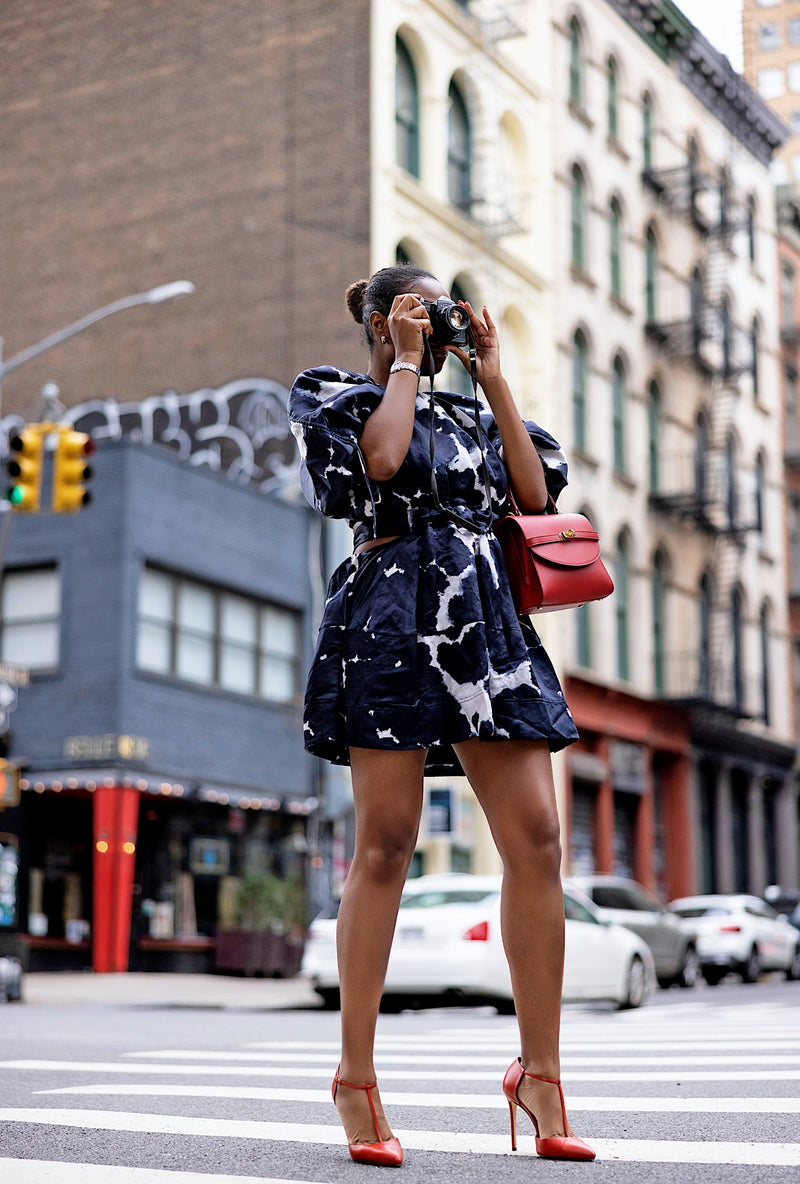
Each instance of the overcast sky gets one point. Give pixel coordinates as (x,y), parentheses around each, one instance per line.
(721,22)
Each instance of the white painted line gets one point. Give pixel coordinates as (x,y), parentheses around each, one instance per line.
(630,1150)
(467,1058)
(439,1101)
(388,1073)
(43,1171)
(709,1044)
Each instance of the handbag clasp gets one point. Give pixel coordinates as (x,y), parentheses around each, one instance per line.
(567,534)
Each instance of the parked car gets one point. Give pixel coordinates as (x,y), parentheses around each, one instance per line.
(447,948)
(10,980)
(627,903)
(739,933)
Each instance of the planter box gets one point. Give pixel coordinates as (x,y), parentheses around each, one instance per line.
(268,955)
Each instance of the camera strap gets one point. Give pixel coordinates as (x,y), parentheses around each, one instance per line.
(479,526)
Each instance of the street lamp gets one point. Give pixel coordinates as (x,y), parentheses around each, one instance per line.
(153,296)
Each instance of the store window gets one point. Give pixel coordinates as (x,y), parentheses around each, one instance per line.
(217,638)
(406,110)
(30,618)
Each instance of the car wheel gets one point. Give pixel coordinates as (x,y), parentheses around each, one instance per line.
(793,969)
(393,1004)
(714,975)
(690,969)
(504,1006)
(751,969)
(331,1000)
(635,986)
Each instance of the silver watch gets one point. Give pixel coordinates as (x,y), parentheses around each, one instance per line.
(395,366)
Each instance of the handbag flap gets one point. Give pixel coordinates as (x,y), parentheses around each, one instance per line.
(566,540)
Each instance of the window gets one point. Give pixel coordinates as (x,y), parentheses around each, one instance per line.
(764,639)
(579,377)
(216,638)
(771,83)
(724,190)
(659,605)
(618,400)
(613,99)
(575,63)
(621,591)
(793,30)
(578,213)
(769,36)
(583,636)
(737,639)
(615,246)
(30,618)
(794,545)
(697,303)
(731,483)
(727,336)
(794,121)
(701,459)
(406,110)
(793,76)
(787,294)
(791,412)
(653,437)
(459,151)
(751,228)
(650,275)
(795,165)
(755,357)
(647,133)
(758,496)
(706,606)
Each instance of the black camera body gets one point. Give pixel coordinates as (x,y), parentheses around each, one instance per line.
(449,321)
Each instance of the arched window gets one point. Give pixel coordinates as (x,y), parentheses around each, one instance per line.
(650,275)
(706,606)
(575,63)
(406,110)
(459,151)
(622,606)
(580,367)
(653,436)
(618,400)
(578,216)
(724,201)
(612,79)
(701,459)
(694,175)
(647,133)
(792,413)
(727,336)
(731,483)
(764,634)
(659,598)
(751,228)
(755,355)
(737,650)
(583,622)
(697,303)
(760,485)
(615,246)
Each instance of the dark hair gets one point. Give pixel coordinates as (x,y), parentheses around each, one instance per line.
(377,294)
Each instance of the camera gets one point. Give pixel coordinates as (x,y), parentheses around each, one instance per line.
(449,321)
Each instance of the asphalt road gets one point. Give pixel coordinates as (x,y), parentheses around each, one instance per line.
(704,1084)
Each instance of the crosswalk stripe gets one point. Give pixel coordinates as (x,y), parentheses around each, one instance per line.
(389,1073)
(439,1101)
(629,1150)
(710,1044)
(466,1058)
(42,1171)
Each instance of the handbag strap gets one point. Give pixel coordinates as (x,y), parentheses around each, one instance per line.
(479,526)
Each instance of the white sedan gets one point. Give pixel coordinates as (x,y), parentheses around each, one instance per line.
(739,933)
(447,948)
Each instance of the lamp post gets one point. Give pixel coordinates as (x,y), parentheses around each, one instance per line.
(153,296)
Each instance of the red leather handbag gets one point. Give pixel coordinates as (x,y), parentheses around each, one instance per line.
(553,561)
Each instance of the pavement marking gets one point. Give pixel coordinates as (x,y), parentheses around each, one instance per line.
(710,1044)
(629,1150)
(48,1171)
(442,1101)
(467,1057)
(324,1071)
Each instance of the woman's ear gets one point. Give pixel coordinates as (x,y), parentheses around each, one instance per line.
(379,326)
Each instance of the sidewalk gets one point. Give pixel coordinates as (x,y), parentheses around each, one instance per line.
(165,990)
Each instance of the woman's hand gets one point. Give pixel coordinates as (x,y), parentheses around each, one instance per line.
(409,325)
(487,347)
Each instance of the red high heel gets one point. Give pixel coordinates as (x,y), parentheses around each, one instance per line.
(385,1153)
(556,1146)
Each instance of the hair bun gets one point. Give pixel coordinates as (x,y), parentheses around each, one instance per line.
(355,299)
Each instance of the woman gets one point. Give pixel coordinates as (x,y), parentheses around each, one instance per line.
(422,665)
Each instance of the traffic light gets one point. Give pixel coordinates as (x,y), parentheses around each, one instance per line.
(70,470)
(24,467)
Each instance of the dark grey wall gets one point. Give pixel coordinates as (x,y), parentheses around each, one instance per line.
(150,507)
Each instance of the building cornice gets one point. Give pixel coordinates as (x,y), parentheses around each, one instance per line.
(663,26)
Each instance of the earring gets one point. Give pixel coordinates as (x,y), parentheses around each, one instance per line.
(384,339)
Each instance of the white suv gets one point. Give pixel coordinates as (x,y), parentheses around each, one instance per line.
(740,933)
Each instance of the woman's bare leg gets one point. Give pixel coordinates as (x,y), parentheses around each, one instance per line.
(513,781)
(387,791)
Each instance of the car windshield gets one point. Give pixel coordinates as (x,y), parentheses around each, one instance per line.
(714,910)
(433,897)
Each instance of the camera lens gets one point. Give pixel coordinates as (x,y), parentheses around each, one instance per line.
(457,317)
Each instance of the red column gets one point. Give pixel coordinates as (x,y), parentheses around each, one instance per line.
(116,819)
(604,816)
(679,833)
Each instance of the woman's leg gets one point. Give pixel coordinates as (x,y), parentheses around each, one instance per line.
(513,781)
(387,791)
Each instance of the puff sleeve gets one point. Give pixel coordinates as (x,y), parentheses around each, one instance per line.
(554,462)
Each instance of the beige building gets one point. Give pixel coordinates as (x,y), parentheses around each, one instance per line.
(771,36)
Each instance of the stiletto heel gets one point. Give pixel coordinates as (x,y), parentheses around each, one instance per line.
(555,1146)
(386,1152)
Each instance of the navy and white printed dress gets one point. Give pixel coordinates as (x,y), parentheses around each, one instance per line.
(420,645)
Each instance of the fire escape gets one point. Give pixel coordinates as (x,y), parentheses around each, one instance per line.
(700,486)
